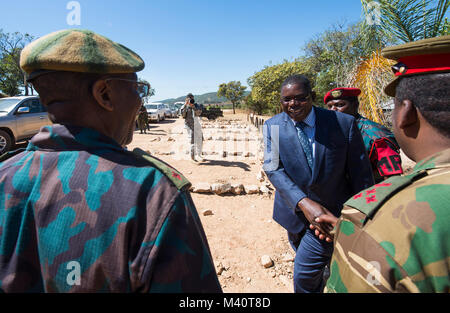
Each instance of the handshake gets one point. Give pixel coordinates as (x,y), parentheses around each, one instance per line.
(321,220)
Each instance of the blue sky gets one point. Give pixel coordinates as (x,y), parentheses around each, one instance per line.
(191,45)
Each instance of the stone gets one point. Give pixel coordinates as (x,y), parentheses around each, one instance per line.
(288,258)
(266,261)
(220,189)
(261,176)
(264,189)
(207,212)
(201,188)
(251,189)
(237,189)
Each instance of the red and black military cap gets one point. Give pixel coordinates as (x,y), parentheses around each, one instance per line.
(420,57)
(338,93)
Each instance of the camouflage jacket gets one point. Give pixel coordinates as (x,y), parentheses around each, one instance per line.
(78,213)
(370,132)
(394,236)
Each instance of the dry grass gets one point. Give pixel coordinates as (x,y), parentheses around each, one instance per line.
(371,75)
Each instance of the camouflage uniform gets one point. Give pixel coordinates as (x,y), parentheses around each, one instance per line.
(370,132)
(393,237)
(125,218)
(143,120)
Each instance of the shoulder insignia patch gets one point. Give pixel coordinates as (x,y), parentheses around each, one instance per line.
(172,174)
(370,200)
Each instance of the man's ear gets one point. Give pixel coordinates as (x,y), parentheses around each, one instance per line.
(407,114)
(313,96)
(102,94)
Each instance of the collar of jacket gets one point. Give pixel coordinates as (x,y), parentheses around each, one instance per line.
(66,137)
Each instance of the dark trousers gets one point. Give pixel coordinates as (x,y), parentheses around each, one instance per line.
(311,257)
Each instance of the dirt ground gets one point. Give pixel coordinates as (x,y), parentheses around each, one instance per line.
(239,228)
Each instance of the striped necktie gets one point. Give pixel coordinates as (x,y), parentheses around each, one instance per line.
(304,141)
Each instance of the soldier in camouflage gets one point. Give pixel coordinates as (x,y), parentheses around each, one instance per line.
(142,120)
(78,212)
(393,237)
(381,146)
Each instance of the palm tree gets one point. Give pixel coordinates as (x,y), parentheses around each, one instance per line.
(396,21)
(408,20)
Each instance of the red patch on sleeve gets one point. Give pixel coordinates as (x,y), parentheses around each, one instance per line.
(357,196)
(176,175)
(383,185)
(368,192)
(371,199)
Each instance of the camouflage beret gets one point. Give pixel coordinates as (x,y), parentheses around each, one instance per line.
(420,57)
(76,50)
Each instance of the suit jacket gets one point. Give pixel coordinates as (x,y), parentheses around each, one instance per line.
(341,166)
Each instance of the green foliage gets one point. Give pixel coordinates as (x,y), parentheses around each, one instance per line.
(266,83)
(12,77)
(411,20)
(233,91)
(151,92)
(259,107)
(334,54)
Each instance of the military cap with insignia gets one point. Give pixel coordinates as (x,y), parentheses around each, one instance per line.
(76,50)
(420,57)
(338,93)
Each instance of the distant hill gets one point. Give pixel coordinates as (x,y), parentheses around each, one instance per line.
(206,98)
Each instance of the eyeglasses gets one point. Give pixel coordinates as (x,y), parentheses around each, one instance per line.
(296,99)
(143,89)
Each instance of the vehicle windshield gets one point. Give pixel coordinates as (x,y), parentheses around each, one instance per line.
(6,105)
(151,106)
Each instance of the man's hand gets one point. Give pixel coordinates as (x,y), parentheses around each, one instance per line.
(328,219)
(313,210)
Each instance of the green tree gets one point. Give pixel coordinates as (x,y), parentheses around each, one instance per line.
(265,84)
(233,91)
(256,106)
(151,92)
(12,78)
(334,54)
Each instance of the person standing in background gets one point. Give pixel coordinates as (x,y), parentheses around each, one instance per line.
(191,112)
(381,145)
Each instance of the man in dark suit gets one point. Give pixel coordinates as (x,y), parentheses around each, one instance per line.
(316,160)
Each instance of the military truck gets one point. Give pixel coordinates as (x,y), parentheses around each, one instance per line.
(211,113)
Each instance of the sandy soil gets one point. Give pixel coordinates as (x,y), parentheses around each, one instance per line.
(240,229)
